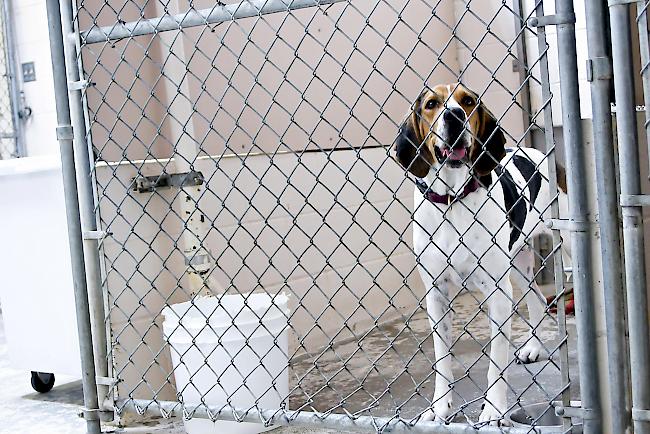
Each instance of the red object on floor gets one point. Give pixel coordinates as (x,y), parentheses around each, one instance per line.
(569,307)
(569,303)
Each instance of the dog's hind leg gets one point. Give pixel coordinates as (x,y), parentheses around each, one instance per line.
(523,278)
(440,318)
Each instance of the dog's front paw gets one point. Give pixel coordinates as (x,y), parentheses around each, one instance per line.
(490,415)
(530,352)
(440,412)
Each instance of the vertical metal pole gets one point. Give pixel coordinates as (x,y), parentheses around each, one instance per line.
(64,135)
(599,74)
(14,89)
(628,151)
(578,214)
(642,22)
(558,263)
(84,165)
(524,72)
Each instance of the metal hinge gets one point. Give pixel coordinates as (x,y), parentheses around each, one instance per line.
(640,414)
(79,85)
(95,235)
(96,414)
(64,132)
(147,184)
(552,20)
(599,68)
(629,200)
(106,381)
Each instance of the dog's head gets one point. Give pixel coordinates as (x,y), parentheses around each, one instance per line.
(449,125)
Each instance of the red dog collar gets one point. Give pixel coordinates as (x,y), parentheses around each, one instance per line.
(446,199)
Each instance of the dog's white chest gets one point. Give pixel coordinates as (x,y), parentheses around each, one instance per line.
(455,243)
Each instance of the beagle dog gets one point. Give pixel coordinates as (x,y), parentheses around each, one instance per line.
(477,204)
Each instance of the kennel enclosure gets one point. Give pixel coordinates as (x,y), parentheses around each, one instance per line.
(245,147)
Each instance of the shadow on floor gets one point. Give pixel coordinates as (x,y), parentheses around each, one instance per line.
(70,393)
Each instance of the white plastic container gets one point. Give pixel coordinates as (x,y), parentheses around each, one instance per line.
(247,329)
(36,289)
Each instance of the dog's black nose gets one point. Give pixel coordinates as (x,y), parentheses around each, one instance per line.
(454,115)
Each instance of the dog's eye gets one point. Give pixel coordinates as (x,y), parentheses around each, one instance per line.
(468,101)
(431,104)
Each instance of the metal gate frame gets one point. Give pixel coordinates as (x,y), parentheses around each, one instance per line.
(632,200)
(84,235)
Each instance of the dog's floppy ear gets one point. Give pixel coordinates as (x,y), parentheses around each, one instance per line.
(411,152)
(489,145)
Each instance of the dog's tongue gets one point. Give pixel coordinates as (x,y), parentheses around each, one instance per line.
(453,154)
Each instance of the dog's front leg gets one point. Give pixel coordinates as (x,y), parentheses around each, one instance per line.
(499,308)
(440,318)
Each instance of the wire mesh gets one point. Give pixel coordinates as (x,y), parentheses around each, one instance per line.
(246,156)
(8,135)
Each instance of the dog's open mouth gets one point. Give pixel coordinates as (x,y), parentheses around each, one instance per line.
(452,156)
(455,154)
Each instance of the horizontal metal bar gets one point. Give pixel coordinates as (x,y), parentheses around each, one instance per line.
(310,419)
(573,411)
(635,200)
(193,18)
(568,225)
(552,20)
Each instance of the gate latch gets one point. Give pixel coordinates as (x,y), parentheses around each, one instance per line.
(147,184)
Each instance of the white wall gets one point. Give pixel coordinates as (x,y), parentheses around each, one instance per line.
(553,66)
(485,54)
(32,40)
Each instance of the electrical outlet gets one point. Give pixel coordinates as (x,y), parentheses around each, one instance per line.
(29,72)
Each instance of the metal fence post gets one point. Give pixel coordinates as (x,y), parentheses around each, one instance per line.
(578,214)
(637,298)
(65,136)
(87,210)
(599,74)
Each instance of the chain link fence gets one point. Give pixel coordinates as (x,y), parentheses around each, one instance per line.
(9,147)
(259,251)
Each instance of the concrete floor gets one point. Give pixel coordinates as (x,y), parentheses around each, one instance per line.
(395,359)
(325,380)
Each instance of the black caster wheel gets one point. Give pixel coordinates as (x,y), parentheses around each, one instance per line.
(42,382)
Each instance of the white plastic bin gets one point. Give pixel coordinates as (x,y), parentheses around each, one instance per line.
(218,371)
(36,289)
